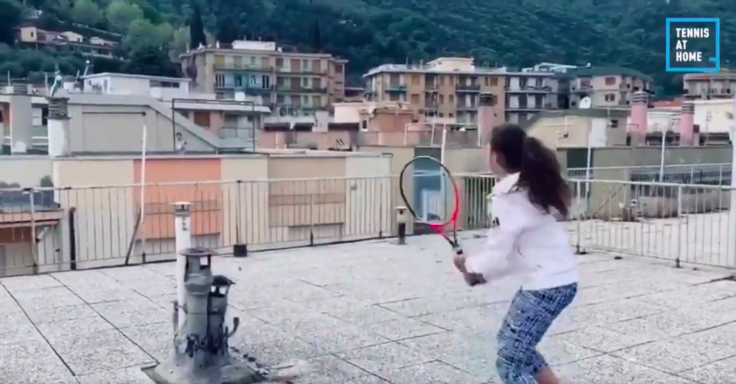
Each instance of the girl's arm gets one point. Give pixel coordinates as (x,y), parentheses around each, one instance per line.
(514,215)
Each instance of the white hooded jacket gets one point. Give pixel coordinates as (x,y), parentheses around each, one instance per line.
(526,242)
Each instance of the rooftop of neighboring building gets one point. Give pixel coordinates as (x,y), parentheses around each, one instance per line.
(724,74)
(135,76)
(619,113)
(452,65)
(666,104)
(606,71)
(260,47)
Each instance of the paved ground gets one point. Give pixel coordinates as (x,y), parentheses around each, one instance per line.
(374,313)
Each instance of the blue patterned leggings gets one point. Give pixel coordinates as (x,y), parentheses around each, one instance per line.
(529,317)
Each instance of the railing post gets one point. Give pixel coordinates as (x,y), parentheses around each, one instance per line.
(680,237)
(311,213)
(240,248)
(34,245)
(401,220)
(183,233)
(380,209)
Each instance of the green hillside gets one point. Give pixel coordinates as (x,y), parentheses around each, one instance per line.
(371,32)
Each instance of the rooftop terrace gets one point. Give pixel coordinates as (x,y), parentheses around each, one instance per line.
(375,312)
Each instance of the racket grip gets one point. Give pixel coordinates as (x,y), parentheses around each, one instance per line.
(458,251)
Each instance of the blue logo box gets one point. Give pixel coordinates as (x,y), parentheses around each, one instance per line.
(716,25)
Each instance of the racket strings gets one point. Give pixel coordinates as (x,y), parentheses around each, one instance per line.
(429,192)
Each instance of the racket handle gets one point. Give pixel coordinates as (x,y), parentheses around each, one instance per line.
(458,251)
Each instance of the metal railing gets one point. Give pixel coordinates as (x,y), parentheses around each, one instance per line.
(708,173)
(56,229)
(684,223)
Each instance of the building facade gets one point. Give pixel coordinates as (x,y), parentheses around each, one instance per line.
(32,37)
(528,92)
(605,86)
(447,88)
(708,86)
(292,83)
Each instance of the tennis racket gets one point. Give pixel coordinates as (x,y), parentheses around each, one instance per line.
(435,201)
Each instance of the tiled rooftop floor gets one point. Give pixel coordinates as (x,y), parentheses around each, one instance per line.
(374,312)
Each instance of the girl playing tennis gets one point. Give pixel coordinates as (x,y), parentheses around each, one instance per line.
(530,242)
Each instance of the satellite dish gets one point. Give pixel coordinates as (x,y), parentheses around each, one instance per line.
(585,103)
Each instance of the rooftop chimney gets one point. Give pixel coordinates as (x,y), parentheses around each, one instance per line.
(486,121)
(58,126)
(21,119)
(687,134)
(639,118)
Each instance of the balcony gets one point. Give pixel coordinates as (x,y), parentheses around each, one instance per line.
(471,88)
(283,71)
(300,89)
(255,89)
(396,88)
(431,88)
(242,68)
(466,107)
(527,108)
(581,89)
(529,89)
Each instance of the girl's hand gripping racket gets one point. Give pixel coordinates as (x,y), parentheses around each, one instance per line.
(435,200)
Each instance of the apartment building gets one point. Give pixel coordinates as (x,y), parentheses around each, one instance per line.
(708,86)
(292,83)
(32,37)
(606,86)
(530,91)
(447,88)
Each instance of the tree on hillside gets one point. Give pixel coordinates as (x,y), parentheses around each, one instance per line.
(121,13)
(227,30)
(196,28)
(317,37)
(150,60)
(86,12)
(11,15)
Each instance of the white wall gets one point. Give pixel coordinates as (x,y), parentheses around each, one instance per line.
(719,115)
(598,133)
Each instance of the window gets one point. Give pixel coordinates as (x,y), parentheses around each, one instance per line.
(305,82)
(279,62)
(494,81)
(442,80)
(266,81)
(415,79)
(338,68)
(452,99)
(613,123)
(415,98)
(442,99)
(610,80)
(610,97)
(316,102)
(219,80)
(364,125)
(584,83)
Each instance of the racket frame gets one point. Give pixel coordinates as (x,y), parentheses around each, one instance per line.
(439,228)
